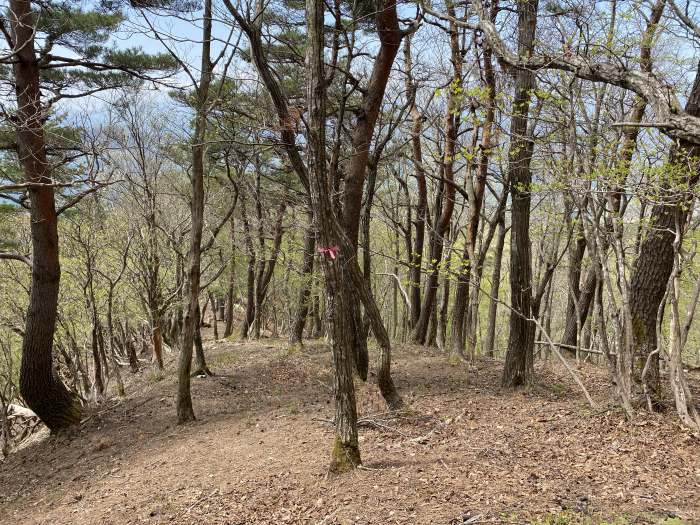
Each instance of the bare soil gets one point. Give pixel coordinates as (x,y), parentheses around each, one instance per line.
(466,451)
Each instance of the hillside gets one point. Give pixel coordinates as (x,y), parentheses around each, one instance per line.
(465,452)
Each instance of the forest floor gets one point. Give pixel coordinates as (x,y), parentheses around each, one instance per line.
(466,452)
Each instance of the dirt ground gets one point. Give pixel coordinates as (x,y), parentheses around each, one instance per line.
(466,452)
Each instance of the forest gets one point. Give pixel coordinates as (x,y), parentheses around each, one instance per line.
(350,261)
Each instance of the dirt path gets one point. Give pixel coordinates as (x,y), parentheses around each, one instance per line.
(259,450)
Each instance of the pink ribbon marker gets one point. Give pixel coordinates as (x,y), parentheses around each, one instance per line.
(330,252)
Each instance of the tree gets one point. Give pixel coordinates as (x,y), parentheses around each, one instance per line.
(92,67)
(519,358)
(185,412)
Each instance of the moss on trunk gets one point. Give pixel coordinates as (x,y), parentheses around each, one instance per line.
(344,458)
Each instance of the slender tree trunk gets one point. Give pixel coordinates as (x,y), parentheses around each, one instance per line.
(130,346)
(228,330)
(250,281)
(215,320)
(415,255)
(443,313)
(185,411)
(307,268)
(40,386)
(476,197)
(266,269)
(495,289)
(390,35)
(318,324)
(442,224)
(200,362)
(576,252)
(112,342)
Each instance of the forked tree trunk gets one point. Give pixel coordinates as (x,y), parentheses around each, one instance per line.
(40,386)
(345,454)
(390,35)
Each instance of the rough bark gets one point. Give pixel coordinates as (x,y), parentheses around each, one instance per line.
(40,385)
(518,368)
(345,454)
(655,263)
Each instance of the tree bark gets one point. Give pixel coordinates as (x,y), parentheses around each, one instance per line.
(266,269)
(185,411)
(518,369)
(228,330)
(40,385)
(215,319)
(250,280)
(415,255)
(200,362)
(476,197)
(655,263)
(495,289)
(446,201)
(297,333)
(345,454)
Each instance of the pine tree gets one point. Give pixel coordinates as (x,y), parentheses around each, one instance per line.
(56,52)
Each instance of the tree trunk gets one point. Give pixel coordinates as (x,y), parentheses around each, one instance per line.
(318,324)
(185,411)
(266,269)
(228,330)
(250,281)
(40,385)
(445,200)
(415,255)
(345,454)
(495,289)
(655,263)
(573,301)
(476,197)
(200,362)
(307,268)
(215,320)
(518,369)
(113,342)
(390,35)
